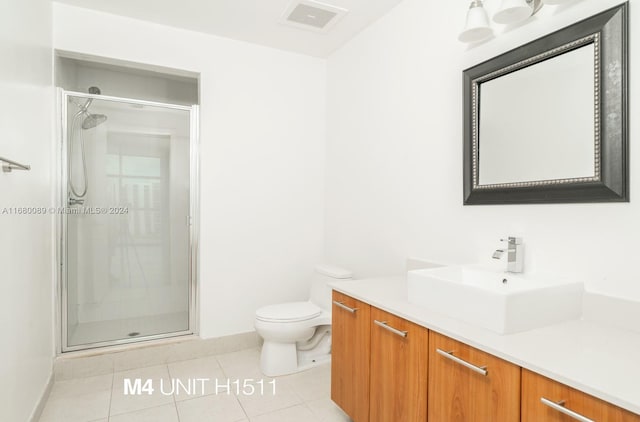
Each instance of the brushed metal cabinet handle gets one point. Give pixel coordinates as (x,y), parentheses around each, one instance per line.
(345,307)
(386,326)
(559,406)
(482,370)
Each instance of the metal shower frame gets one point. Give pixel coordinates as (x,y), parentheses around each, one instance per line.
(61,221)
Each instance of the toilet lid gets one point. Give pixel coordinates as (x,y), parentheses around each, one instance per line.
(288,312)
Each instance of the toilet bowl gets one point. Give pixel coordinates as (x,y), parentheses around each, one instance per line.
(297,335)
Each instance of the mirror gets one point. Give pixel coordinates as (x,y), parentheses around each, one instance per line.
(515,147)
(546,122)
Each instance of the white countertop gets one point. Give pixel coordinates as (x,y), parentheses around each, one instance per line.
(600,359)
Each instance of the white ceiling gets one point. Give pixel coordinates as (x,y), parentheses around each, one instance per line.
(256,21)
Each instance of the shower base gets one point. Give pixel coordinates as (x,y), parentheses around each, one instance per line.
(117,329)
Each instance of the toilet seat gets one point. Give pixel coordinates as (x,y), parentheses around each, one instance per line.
(288,312)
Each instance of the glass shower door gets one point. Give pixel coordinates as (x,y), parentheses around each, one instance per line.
(127,221)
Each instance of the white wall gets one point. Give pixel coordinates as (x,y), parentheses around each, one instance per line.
(262,157)
(394,157)
(26,260)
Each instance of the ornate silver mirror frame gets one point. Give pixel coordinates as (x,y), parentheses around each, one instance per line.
(607,32)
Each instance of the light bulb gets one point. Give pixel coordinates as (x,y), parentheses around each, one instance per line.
(477,26)
(513,11)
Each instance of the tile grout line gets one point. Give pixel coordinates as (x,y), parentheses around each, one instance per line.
(235,396)
(113,379)
(175,403)
(242,407)
(175,407)
(315,415)
(142,408)
(301,400)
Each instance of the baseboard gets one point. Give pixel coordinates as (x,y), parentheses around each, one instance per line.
(37,411)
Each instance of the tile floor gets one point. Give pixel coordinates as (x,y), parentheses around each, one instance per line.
(299,397)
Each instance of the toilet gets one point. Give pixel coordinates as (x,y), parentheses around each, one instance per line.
(297,335)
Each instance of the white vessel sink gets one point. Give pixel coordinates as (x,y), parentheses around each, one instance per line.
(502,302)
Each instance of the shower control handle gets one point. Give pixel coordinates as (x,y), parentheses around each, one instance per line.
(75,201)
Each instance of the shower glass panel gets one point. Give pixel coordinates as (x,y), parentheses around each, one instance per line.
(127,267)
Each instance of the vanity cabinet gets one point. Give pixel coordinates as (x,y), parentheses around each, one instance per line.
(385,368)
(466,384)
(399,359)
(546,400)
(350,348)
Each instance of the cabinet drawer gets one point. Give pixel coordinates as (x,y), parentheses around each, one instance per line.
(468,385)
(350,356)
(547,400)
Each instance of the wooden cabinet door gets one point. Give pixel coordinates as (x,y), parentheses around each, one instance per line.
(350,356)
(539,394)
(399,358)
(468,385)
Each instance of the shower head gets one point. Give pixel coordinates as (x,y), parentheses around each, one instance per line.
(93,120)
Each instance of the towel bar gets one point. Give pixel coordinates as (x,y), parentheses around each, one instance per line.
(12,165)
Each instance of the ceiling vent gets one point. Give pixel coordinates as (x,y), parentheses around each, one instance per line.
(312,15)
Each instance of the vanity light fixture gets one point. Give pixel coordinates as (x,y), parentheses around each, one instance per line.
(477,27)
(513,11)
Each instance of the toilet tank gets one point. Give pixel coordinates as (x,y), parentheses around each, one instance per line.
(320,290)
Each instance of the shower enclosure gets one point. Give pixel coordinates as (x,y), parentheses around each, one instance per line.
(127,220)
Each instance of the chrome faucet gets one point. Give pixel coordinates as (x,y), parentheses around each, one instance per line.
(515,254)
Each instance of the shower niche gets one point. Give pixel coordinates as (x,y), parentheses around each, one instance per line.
(128,197)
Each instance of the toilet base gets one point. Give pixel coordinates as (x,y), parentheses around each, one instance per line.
(278,359)
(319,354)
(285,358)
